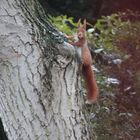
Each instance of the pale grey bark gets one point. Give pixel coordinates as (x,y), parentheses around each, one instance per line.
(39,83)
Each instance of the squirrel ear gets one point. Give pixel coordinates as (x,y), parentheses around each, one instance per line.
(84,25)
(79,22)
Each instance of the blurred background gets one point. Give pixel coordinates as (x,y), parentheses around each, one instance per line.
(91,9)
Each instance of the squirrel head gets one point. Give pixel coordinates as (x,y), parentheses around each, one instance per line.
(81,31)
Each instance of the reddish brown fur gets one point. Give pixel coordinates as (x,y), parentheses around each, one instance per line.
(90,82)
(88,73)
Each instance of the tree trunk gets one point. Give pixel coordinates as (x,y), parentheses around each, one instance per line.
(40,94)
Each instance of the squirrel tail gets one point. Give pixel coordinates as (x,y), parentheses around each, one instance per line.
(92,89)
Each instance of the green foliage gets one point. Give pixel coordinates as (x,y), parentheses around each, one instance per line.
(106,29)
(64,24)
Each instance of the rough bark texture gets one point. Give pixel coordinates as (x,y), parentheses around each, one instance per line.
(39,82)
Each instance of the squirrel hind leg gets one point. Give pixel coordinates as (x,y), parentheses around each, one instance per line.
(90,101)
(92,98)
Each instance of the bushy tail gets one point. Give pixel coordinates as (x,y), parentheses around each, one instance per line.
(92,89)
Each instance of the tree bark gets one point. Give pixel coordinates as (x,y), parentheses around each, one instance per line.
(40,94)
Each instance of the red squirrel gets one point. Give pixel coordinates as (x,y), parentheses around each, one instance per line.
(91,86)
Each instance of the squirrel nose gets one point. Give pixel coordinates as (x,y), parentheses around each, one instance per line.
(80,35)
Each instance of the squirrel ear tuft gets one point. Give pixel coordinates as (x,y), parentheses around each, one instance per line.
(79,22)
(84,25)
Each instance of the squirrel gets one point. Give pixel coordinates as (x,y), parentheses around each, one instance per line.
(88,74)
